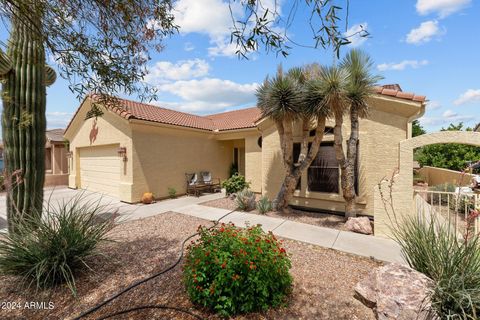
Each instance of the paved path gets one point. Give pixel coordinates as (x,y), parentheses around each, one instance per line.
(363,245)
(368,246)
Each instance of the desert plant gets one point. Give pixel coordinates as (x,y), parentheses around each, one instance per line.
(235,183)
(453,263)
(172,192)
(233,270)
(49,250)
(264,205)
(245,200)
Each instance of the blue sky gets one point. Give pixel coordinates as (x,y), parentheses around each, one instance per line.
(429,47)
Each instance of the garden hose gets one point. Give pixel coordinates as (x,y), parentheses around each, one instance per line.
(136,284)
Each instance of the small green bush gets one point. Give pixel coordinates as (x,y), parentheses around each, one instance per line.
(232,270)
(245,200)
(264,205)
(49,250)
(453,263)
(235,183)
(172,192)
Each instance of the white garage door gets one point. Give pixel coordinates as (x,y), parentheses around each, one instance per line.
(100,169)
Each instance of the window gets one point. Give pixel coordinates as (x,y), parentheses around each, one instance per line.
(235,157)
(324,173)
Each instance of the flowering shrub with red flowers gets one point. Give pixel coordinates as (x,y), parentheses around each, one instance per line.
(233,270)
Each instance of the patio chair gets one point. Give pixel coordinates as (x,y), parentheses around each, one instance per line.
(194,185)
(207,179)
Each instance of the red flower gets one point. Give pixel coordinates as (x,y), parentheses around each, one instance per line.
(224,264)
(282,250)
(259,249)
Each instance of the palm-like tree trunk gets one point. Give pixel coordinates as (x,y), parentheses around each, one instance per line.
(347,164)
(294,170)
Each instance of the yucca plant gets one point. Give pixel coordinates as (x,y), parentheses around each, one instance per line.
(50,250)
(264,205)
(245,200)
(451,261)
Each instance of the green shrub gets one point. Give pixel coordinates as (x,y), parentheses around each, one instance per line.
(172,192)
(233,169)
(48,251)
(453,263)
(264,205)
(245,200)
(232,270)
(235,183)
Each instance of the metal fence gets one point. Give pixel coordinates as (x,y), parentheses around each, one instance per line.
(452,208)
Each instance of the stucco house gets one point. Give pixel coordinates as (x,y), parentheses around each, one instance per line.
(135,147)
(56,162)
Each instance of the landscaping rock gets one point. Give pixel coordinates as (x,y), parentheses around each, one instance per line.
(395,292)
(232,196)
(359,225)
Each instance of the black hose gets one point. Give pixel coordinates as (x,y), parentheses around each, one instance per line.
(136,284)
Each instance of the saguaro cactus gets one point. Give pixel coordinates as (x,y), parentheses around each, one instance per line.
(24,78)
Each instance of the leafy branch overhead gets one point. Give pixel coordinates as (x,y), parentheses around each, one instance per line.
(263,26)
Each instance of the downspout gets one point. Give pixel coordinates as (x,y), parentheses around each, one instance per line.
(415,116)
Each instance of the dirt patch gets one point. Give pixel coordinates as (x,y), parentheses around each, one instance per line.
(315,218)
(323,279)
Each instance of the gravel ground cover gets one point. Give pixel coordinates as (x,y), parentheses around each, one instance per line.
(323,279)
(310,217)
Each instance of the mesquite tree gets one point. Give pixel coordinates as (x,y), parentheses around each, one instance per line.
(284,100)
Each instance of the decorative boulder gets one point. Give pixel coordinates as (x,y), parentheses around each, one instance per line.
(359,225)
(147,198)
(395,292)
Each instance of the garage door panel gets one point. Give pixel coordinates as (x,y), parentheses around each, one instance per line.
(100,169)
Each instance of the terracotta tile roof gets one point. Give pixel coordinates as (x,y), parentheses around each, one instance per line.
(231,120)
(55,135)
(395,91)
(130,109)
(237,119)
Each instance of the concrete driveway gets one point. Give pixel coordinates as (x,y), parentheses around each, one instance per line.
(112,205)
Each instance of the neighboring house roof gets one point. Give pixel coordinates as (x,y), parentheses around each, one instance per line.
(477,128)
(55,135)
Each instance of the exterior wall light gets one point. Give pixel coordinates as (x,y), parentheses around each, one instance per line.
(122,152)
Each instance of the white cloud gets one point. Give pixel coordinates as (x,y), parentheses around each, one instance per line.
(354,34)
(433,105)
(425,32)
(402,65)
(442,7)
(471,95)
(188,46)
(58,119)
(446,118)
(208,94)
(163,71)
(214,19)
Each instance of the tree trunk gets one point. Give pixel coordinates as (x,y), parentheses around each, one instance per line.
(23,118)
(294,171)
(347,164)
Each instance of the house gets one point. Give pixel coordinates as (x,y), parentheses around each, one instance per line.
(135,147)
(477,128)
(56,162)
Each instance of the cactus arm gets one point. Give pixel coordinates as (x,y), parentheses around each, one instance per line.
(5,63)
(50,76)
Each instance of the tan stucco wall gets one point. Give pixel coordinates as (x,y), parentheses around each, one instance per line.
(161,156)
(379,136)
(112,130)
(253,162)
(402,187)
(437,176)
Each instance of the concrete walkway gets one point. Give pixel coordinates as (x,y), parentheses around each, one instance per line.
(368,246)
(359,244)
